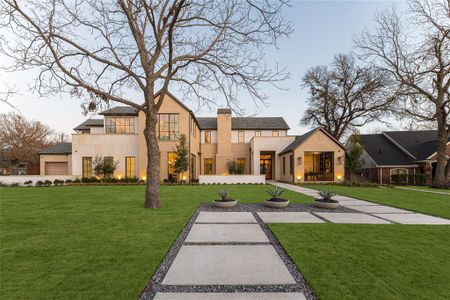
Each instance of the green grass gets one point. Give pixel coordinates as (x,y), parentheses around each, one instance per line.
(429,203)
(94,242)
(370,261)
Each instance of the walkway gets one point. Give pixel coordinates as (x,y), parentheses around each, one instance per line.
(370,212)
(229,255)
(420,190)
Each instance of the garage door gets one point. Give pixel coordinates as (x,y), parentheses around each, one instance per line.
(56,168)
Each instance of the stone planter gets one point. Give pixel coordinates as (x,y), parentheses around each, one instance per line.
(225,204)
(276,204)
(328,205)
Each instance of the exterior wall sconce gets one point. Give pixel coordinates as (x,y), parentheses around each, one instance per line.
(299,177)
(144,178)
(299,161)
(119,177)
(339,177)
(184,178)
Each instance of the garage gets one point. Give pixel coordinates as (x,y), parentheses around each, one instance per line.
(56,168)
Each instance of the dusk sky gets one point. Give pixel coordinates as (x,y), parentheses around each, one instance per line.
(322,29)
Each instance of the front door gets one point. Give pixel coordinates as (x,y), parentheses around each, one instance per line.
(265,165)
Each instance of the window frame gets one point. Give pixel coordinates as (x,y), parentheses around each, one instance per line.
(208,137)
(111,125)
(85,166)
(240,141)
(172,134)
(242,161)
(258,133)
(130,164)
(275,133)
(284,165)
(398,169)
(205,170)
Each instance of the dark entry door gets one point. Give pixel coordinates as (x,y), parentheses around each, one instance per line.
(265,166)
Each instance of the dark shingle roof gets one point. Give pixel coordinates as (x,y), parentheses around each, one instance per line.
(246,123)
(120,111)
(61,148)
(421,143)
(383,151)
(89,123)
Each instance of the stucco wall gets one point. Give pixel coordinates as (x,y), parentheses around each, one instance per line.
(116,145)
(270,143)
(319,141)
(286,176)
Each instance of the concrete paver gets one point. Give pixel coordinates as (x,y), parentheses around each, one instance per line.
(378,209)
(225,217)
(289,217)
(229,296)
(414,219)
(226,233)
(351,218)
(227,265)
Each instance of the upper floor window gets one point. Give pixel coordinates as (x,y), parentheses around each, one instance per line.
(257,133)
(168,127)
(275,133)
(119,125)
(208,137)
(240,136)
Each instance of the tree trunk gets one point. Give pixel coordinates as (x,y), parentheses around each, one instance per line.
(439,179)
(447,172)
(152,196)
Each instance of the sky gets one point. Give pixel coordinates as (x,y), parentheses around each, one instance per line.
(322,29)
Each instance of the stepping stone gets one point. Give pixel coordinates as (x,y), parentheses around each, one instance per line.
(415,219)
(289,217)
(378,209)
(229,296)
(348,203)
(225,217)
(226,233)
(352,218)
(227,265)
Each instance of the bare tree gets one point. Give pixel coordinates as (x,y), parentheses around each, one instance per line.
(5,96)
(345,96)
(415,51)
(21,139)
(107,50)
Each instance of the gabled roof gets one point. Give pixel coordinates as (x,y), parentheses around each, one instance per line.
(383,151)
(89,123)
(420,144)
(246,123)
(120,111)
(299,139)
(61,148)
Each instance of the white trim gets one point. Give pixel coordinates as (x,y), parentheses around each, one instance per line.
(390,174)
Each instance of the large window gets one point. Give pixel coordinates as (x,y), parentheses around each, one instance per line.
(130,166)
(399,176)
(168,127)
(87,167)
(208,166)
(240,136)
(319,166)
(291,164)
(120,125)
(241,165)
(207,137)
(171,158)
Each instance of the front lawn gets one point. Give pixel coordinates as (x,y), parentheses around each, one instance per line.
(428,203)
(94,242)
(370,261)
(425,188)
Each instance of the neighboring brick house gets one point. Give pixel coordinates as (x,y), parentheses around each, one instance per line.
(400,153)
(258,145)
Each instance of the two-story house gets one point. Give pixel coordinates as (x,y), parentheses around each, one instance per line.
(257,145)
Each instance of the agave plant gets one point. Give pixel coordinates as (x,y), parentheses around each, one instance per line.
(224,196)
(326,194)
(275,193)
